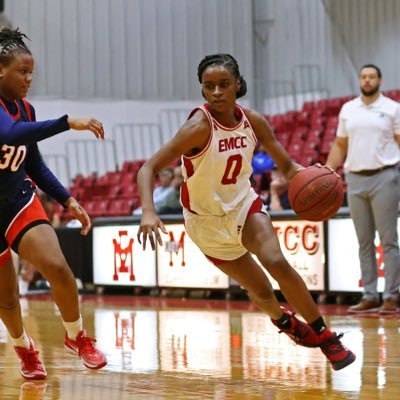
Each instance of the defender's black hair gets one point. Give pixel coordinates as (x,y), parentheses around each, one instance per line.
(11,42)
(227,61)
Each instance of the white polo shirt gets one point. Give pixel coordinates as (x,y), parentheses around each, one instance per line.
(371,131)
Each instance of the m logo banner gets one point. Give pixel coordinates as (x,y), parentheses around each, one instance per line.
(173,246)
(119,259)
(123,256)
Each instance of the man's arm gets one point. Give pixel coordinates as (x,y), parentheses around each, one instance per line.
(338,152)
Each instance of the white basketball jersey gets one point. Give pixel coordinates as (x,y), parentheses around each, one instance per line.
(217,179)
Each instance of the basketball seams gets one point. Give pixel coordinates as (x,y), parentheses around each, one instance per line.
(316,194)
(299,190)
(325,194)
(307,184)
(329,197)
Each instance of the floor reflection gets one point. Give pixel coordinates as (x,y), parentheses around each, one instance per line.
(202,354)
(246,346)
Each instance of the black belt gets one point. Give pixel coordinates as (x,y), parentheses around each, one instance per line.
(369,172)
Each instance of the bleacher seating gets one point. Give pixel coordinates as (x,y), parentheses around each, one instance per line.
(112,194)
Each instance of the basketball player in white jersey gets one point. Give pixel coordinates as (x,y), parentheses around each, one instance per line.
(223,215)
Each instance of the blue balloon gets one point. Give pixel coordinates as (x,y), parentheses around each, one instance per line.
(262,162)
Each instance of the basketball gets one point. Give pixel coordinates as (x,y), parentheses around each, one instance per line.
(316,193)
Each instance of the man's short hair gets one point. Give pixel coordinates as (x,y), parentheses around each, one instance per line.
(372,66)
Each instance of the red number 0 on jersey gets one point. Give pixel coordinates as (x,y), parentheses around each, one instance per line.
(232,170)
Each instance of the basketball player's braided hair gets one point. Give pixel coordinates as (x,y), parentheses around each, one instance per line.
(227,61)
(11,42)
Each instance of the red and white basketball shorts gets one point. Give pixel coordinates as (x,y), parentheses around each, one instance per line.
(17,216)
(220,237)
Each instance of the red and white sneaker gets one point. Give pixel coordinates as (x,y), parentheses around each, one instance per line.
(30,365)
(83,347)
(338,355)
(300,332)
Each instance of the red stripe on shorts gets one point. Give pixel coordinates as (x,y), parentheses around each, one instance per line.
(33,211)
(256,207)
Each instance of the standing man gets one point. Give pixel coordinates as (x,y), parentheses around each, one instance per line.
(368,139)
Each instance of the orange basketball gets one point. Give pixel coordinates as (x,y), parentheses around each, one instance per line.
(316,193)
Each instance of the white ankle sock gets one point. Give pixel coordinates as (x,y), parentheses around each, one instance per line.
(22,341)
(73,328)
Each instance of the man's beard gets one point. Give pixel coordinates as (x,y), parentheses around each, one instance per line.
(370,92)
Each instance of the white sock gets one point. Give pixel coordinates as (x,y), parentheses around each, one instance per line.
(22,341)
(73,328)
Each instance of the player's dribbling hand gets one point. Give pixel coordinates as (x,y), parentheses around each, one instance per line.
(80,214)
(327,167)
(149,227)
(87,123)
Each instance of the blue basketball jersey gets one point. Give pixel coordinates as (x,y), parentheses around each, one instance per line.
(19,153)
(12,158)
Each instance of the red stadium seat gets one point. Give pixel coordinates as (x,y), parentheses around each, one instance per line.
(309,159)
(114,191)
(347,98)
(308,106)
(81,193)
(113,177)
(314,135)
(283,138)
(89,206)
(101,208)
(89,180)
(132,166)
(277,122)
(96,208)
(393,94)
(333,107)
(78,181)
(311,147)
(321,105)
(129,191)
(303,119)
(127,166)
(289,121)
(295,149)
(102,180)
(330,133)
(332,122)
(137,164)
(100,190)
(298,135)
(326,146)
(128,178)
(120,207)
(317,120)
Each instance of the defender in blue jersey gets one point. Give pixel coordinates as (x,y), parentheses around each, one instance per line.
(24,226)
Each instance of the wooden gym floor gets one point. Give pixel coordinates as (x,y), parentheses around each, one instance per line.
(198,349)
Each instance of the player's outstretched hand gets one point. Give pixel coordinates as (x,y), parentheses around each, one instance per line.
(87,124)
(149,227)
(80,214)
